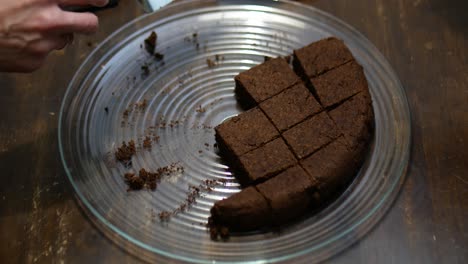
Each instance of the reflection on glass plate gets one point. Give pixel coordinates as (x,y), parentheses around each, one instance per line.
(188,92)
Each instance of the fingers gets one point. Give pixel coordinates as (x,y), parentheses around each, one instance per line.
(43,47)
(99,3)
(35,53)
(81,23)
(53,20)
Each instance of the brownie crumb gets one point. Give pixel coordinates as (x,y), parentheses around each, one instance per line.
(150,42)
(134,182)
(193,193)
(200,109)
(149,179)
(213,233)
(141,106)
(224,232)
(159,56)
(210,63)
(164,216)
(106,109)
(125,152)
(147,143)
(126,113)
(217,231)
(138,106)
(145,69)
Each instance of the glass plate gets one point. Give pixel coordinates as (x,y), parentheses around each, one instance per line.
(186,98)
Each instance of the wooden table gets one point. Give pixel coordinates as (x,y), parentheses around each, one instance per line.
(426,41)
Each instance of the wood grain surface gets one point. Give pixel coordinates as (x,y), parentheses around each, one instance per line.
(426,41)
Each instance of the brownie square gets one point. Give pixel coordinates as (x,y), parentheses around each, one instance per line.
(244,133)
(245,210)
(265,162)
(332,167)
(355,118)
(290,106)
(339,84)
(320,57)
(289,194)
(264,81)
(310,135)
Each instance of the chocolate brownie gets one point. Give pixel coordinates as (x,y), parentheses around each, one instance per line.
(290,106)
(296,150)
(310,135)
(246,210)
(244,133)
(320,57)
(332,167)
(289,194)
(263,81)
(339,84)
(265,162)
(355,119)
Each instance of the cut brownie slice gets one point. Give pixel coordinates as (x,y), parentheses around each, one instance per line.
(244,133)
(355,119)
(290,106)
(263,81)
(321,56)
(265,162)
(289,194)
(339,84)
(332,167)
(310,135)
(246,210)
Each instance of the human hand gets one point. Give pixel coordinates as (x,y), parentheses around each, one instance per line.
(31,29)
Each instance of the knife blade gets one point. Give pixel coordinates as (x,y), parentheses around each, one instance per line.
(111,4)
(148,6)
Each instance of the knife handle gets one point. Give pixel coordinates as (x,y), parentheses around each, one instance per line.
(111,4)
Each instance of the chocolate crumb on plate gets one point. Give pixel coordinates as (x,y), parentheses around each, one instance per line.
(147,143)
(159,56)
(150,43)
(125,152)
(210,63)
(133,181)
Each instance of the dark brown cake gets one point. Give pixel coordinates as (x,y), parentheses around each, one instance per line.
(320,56)
(244,133)
(289,194)
(246,210)
(355,119)
(311,135)
(290,107)
(265,162)
(339,84)
(296,150)
(332,167)
(264,81)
